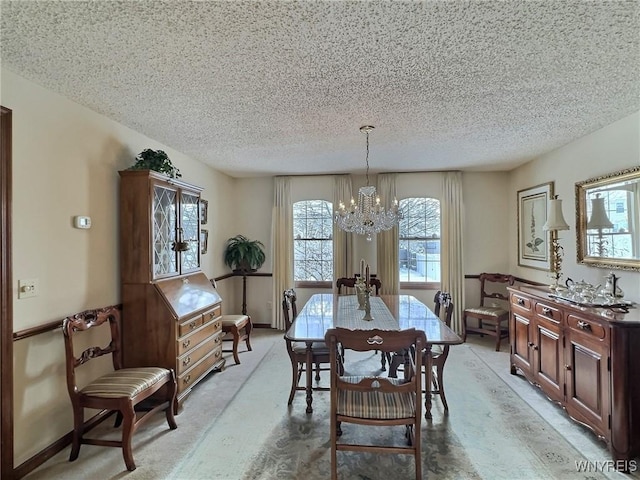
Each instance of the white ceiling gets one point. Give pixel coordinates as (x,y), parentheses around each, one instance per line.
(263,88)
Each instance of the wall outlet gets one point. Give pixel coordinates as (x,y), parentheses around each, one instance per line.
(28,288)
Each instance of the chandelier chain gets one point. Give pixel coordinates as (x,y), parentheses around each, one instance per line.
(367,157)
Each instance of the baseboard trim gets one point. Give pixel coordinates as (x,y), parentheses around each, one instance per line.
(56,447)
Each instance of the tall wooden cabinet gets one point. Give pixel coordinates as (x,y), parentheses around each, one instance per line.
(171,312)
(585,359)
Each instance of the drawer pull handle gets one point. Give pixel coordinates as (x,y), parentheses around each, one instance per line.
(186,343)
(547,311)
(521,302)
(186,361)
(217,354)
(192,325)
(535,347)
(211,315)
(530,344)
(217,340)
(186,379)
(583,325)
(567,367)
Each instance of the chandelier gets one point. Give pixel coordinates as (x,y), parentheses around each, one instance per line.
(367,216)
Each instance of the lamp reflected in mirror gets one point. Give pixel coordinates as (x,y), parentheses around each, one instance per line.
(599,221)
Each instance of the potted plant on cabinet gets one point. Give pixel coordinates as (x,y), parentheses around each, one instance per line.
(156,160)
(244,255)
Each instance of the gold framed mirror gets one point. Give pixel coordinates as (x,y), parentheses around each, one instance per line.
(608,220)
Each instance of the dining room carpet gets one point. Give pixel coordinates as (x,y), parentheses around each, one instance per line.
(237,426)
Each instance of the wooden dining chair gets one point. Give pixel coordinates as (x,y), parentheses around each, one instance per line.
(152,389)
(491,319)
(236,328)
(298,350)
(374,400)
(439,353)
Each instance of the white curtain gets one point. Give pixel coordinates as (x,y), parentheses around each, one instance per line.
(282,245)
(387,255)
(452,244)
(342,241)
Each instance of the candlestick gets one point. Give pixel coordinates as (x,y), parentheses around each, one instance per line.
(367,276)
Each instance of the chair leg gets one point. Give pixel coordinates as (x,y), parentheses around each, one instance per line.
(118,421)
(247,329)
(127,434)
(236,339)
(317,372)
(498,336)
(78,427)
(294,381)
(440,387)
(464,328)
(383,362)
(172,389)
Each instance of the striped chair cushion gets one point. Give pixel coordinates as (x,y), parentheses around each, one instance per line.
(375,405)
(490,311)
(301,347)
(126,382)
(234,320)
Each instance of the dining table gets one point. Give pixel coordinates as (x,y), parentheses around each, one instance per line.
(389,312)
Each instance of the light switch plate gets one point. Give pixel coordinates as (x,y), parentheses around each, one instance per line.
(82,222)
(28,288)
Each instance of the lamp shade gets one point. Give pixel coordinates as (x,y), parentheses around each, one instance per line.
(555,220)
(599,217)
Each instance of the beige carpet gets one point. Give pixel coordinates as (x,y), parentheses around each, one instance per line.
(236,425)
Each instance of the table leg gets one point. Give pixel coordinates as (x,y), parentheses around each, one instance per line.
(428,374)
(309,377)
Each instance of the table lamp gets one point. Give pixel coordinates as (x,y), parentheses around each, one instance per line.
(555,222)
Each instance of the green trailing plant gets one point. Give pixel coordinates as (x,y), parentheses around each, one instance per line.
(242,254)
(156,160)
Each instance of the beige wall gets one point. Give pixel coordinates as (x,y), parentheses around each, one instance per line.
(610,149)
(65,163)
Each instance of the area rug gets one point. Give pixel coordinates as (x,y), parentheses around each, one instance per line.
(490,432)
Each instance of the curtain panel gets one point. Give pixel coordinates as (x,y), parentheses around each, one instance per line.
(387,251)
(282,246)
(452,244)
(342,241)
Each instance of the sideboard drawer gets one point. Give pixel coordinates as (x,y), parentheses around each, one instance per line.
(191,376)
(521,302)
(587,327)
(548,312)
(190,341)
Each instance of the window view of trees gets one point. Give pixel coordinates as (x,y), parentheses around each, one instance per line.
(419,236)
(313,241)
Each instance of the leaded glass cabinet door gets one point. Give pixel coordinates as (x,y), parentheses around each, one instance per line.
(190,231)
(165,230)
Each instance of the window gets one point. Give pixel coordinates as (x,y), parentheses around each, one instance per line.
(419,245)
(312,241)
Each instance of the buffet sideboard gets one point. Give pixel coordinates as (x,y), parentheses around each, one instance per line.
(584,359)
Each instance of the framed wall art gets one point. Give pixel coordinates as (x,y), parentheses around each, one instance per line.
(204,241)
(534,245)
(204,211)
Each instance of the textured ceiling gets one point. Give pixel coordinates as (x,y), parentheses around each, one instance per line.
(262,88)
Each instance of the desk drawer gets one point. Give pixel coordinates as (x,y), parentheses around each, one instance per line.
(189,359)
(212,314)
(191,376)
(190,341)
(189,325)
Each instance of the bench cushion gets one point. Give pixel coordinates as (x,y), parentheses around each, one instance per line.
(126,382)
(234,320)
